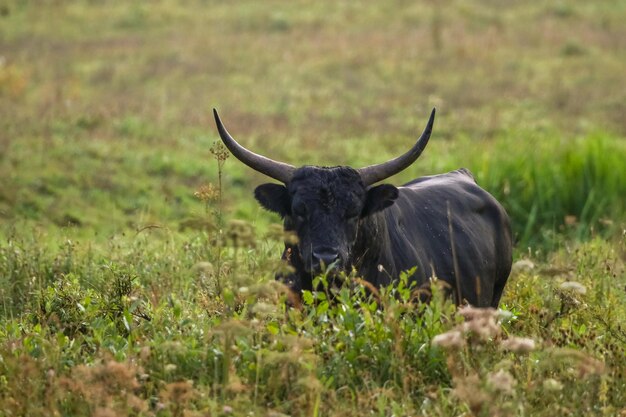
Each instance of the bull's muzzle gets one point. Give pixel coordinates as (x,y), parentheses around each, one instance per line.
(324,258)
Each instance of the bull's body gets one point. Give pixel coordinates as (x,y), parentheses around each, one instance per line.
(445,226)
(416,232)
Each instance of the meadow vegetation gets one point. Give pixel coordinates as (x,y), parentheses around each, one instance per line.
(136,270)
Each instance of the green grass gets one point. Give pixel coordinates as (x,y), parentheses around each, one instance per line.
(553,188)
(106,109)
(204,329)
(128,286)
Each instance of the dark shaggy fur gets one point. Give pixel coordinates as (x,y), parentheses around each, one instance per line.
(383,230)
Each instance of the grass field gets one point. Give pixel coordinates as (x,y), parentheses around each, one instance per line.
(136,282)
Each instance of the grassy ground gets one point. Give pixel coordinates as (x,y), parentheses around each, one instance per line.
(131,286)
(173,327)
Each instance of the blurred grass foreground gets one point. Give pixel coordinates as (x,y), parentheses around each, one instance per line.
(136,268)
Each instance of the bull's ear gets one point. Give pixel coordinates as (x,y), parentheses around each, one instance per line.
(273,197)
(378,198)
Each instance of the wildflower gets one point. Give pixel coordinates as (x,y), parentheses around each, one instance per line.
(480,321)
(204,267)
(275,232)
(287,236)
(573,286)
(136,404)
(552,384)
(178,393)
(501,381)
(235,386)
(104,384)
(264,309)
(504,314)
(518,344)
(219,151)
(449,340)
(471,313)
(468,389)
(206,193)
(523,265)
(241,233)
(232,327)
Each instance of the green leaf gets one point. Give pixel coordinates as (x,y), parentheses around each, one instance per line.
(307,297)
(273,328)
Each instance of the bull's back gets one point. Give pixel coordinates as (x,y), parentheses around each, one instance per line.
(433,213)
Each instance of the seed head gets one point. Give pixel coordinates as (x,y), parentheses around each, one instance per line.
(552,384)
(452,339)
(501,381)
(518,344)
(219,151)
(480,321)
(573,286)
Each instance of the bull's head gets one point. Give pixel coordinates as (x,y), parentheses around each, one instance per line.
(324,206)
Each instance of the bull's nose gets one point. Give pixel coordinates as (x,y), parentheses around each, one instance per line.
(324,256)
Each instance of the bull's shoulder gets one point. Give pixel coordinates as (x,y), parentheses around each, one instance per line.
(464,172)
(456,189)
(461,174)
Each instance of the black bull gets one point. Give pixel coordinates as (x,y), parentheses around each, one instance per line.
(444,225)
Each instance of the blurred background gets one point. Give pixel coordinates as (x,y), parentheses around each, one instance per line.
(106,125)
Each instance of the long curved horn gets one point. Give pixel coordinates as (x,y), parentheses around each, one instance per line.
(375,173)
(277,170)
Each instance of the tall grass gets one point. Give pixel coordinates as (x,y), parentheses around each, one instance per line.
(555,188)
(144,330)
